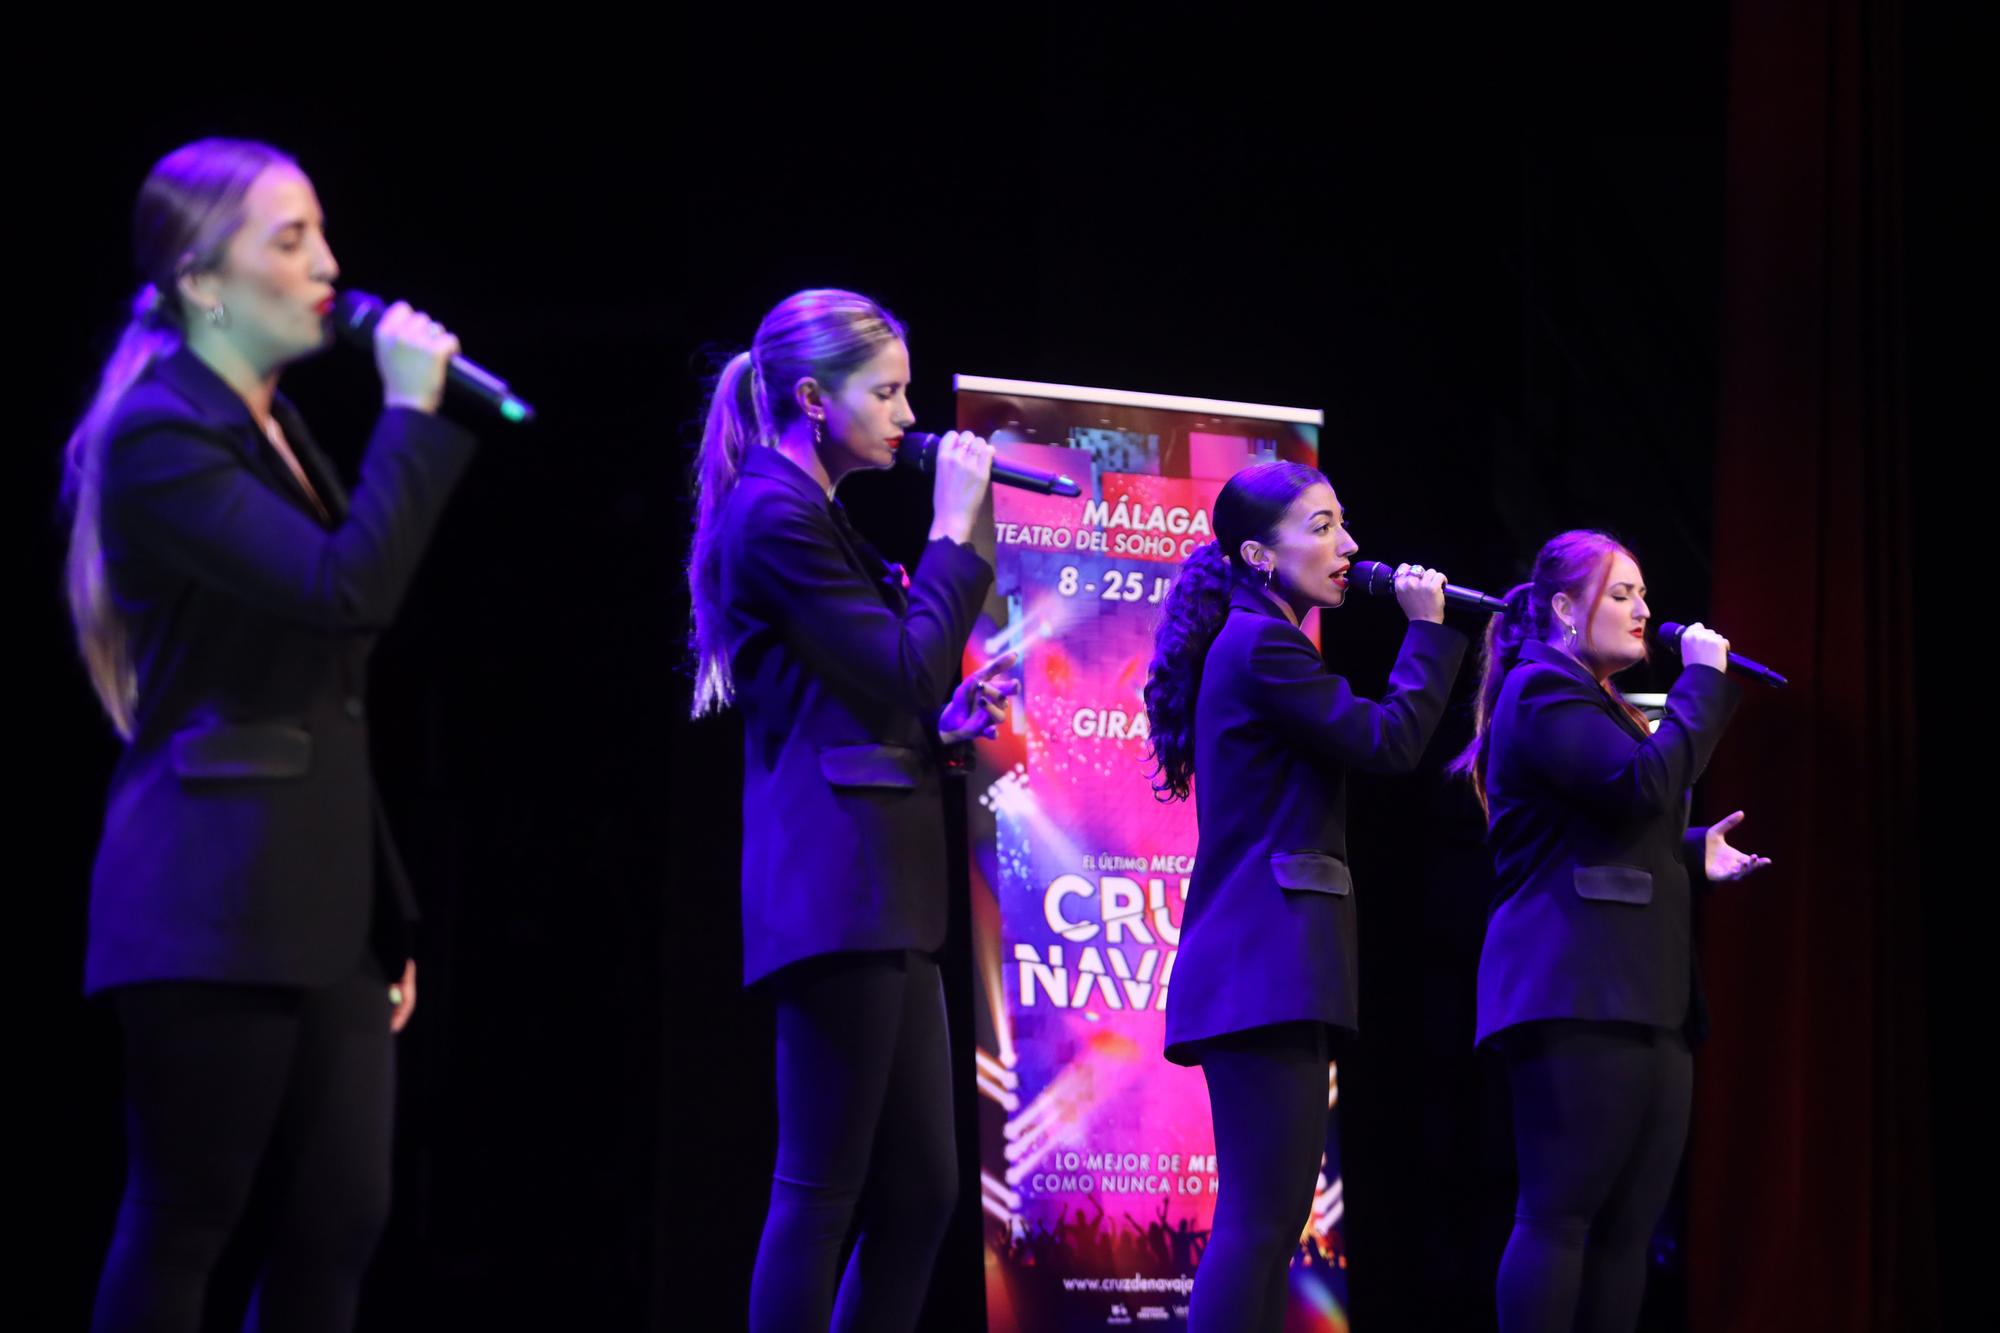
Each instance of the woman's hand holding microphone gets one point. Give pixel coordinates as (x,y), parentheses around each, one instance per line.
(964,473)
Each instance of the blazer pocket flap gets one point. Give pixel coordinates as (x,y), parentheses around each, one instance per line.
(242,750)
(1312,872)
(871,766)
(1614,884)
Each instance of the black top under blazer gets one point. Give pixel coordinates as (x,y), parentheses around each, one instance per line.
(840,674)
(1592,853)
(1268,934)
(243,840)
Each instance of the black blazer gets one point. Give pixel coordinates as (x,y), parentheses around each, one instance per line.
(1592,854)
(840,675)
(243,841)
(1268,934)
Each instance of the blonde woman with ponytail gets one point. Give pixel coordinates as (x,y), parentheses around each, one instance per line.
(844,678)
(248,913)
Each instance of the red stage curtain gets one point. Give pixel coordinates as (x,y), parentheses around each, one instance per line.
(1810,1197)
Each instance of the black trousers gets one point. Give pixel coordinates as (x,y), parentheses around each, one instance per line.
(1600,1119)
(1267,1092)
(233,1087)
(865,1139)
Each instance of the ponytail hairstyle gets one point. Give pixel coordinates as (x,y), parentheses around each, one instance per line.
(1576,562)
(823,334)
(189,207)
(1248,508)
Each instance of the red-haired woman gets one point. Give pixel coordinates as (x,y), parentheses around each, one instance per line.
(1587,980)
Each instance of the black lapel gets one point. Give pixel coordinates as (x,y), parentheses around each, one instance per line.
(861,557)
(866,561)
(318,467)
(218,404)
(1541,652)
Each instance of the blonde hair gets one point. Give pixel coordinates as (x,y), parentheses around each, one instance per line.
(822,333)
(189,207)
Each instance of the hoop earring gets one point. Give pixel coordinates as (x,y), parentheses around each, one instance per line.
(218,315)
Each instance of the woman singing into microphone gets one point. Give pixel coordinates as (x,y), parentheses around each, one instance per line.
(248,913)
(1245,713)
(1587,981)
(844,677)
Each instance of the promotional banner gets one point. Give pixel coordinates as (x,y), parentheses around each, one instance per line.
(1098,1170)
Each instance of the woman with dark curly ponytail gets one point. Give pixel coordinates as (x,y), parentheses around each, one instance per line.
(1239,697)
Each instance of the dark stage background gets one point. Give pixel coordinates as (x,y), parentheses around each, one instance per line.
(1499,264)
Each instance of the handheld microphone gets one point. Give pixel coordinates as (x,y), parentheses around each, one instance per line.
(1379,580)
(1670,635)
(355,315)
(918,449)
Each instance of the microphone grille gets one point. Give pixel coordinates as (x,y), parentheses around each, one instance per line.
(355,315)
(1376,577)
(917,449)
